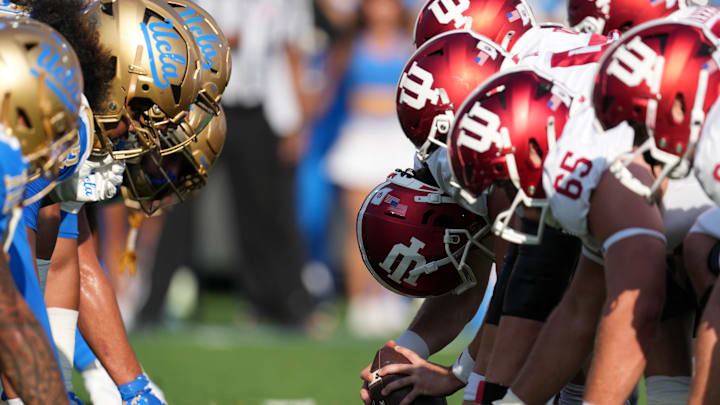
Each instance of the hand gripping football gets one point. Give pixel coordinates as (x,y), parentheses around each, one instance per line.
(387,355)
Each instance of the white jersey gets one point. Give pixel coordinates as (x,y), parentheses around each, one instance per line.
(708,223)
(568,56)
(682,204)
(439,167)
(551,38)
(577,162)
(707,155)
(575,165)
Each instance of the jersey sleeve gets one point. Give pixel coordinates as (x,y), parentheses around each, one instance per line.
(707,156)
(575,165)
(13,170)
(708,223)
(569,57)
(81,149)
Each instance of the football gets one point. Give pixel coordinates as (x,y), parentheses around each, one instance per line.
(383,357)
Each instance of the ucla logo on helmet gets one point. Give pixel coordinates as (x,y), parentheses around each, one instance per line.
(156,36)
(207,42)
(62,80)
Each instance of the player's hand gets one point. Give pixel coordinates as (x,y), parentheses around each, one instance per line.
(95,180)
(367,378)
(425,377)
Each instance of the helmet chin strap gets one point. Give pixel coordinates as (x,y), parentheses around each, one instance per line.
(501,226)
(441,124)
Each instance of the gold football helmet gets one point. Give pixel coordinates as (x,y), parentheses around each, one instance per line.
(153,182)
(214,52)
(41,86)
(157,68)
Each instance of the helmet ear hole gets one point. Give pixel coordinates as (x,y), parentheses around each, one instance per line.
(443,221)
(177,93)
(606,103)
(678,109)
(22,119)
(426,216)
(107,9)
(30,45)
(535,155)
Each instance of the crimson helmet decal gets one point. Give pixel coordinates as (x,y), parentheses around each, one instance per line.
(503,21)
(414,239)
(604,16)
(663,77)
(436,80)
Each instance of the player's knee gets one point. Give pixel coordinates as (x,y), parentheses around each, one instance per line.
(697,251)
(647,310)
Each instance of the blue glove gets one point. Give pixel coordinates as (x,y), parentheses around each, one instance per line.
(137,392)
(74,400)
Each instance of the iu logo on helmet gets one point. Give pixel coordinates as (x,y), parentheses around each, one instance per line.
(489,132)
(446,11)
(419,81)
(716,173)
(648,66)
(409,255)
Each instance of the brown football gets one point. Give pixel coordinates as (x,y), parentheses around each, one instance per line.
(383,357)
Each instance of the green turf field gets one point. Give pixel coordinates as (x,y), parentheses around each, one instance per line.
(220,359)
(223,365)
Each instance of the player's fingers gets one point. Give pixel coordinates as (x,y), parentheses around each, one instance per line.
(390,343)
(397,384)
(409,398)
(411,355)
(395,368)
(365,374)
(365,394)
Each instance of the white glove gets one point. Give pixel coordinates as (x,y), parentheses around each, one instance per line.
(94,181)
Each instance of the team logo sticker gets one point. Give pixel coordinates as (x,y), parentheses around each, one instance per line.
(207,42)
(160,32)
(410,254)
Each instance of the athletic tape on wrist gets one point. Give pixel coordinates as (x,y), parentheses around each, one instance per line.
(474,388)
(463,366)
(414,342)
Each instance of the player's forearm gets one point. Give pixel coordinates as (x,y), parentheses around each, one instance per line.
(440,319)
(100,321)
(26,357)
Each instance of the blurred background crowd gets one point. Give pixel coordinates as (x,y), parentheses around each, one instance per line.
(311,130)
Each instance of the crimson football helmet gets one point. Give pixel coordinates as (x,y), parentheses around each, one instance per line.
(502,133)
(414,239)
(503,21)
(662,77)
(604,16)
(436,80)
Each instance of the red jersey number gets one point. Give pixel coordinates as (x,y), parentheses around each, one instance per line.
(572,188)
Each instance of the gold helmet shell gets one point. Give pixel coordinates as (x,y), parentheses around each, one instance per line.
(41,87)
(155,182)
(157,66)
(214,52)
(9,9)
